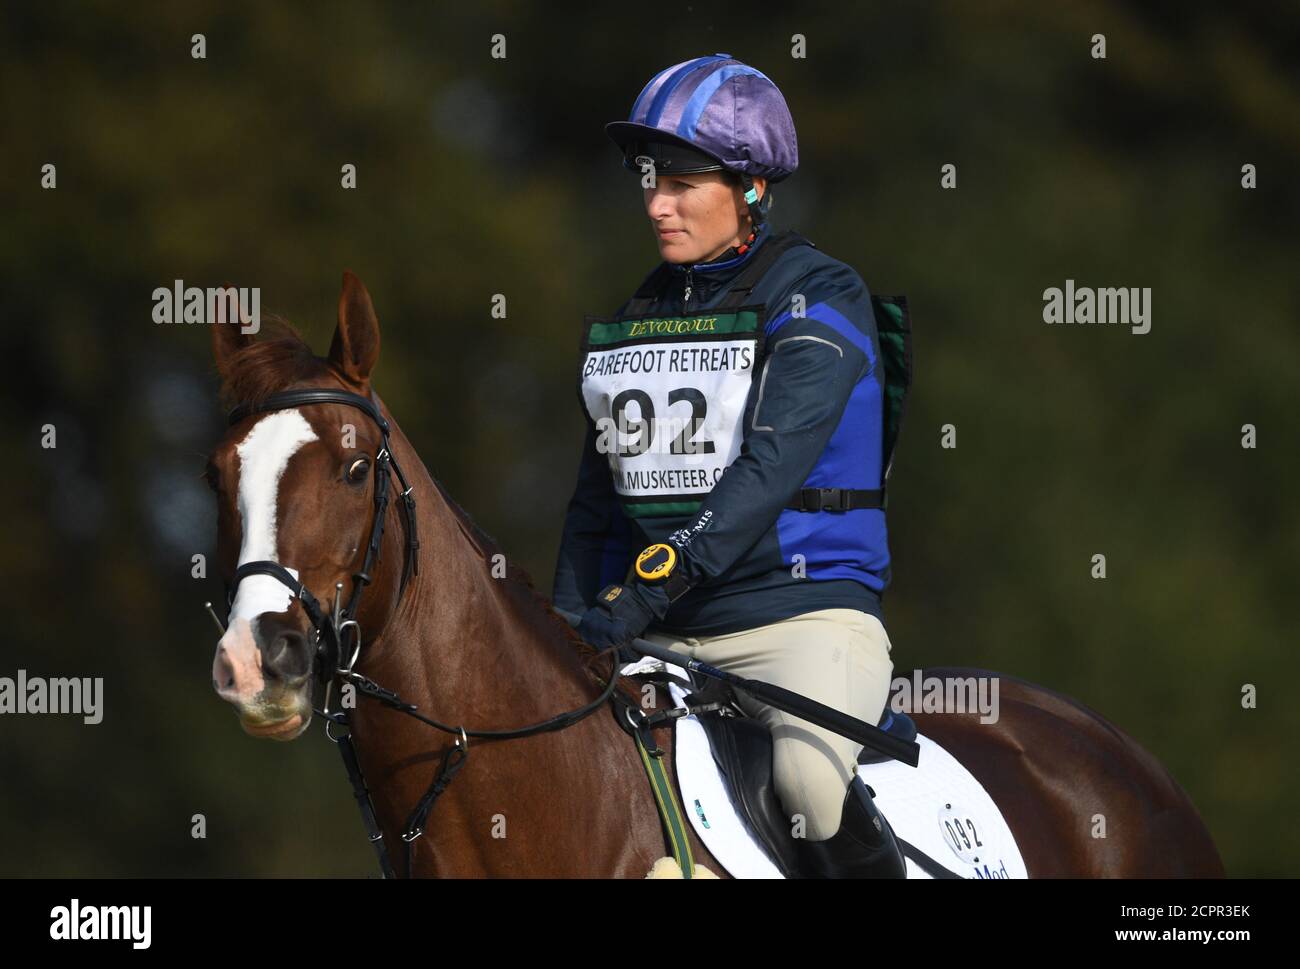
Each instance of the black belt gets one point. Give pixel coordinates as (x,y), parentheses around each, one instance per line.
(837,499)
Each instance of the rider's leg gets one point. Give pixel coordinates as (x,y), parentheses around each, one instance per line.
(839,657)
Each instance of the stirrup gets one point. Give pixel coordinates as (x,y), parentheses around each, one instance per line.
(863,847)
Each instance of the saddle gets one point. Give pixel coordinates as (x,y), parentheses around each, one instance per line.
(742,749)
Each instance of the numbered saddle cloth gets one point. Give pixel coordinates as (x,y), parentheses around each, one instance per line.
(938,807)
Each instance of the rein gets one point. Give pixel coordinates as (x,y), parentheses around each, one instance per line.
(340,628)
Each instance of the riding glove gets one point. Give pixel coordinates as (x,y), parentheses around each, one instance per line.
(622,613)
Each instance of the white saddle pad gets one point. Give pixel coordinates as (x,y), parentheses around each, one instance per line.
(938,807)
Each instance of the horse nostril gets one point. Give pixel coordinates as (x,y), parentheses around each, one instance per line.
(288,656)
(223,673)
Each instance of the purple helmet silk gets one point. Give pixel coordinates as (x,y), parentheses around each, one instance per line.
(721,107)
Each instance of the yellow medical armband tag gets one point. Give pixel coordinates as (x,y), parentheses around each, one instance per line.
(656,562)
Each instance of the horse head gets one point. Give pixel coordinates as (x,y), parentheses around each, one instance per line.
(302,482)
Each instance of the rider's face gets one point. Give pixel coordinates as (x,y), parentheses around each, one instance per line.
(705,212)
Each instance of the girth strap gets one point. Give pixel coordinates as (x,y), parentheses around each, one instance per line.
(670,810)
(638,725)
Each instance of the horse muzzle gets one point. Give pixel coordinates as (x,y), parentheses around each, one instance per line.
(266,676)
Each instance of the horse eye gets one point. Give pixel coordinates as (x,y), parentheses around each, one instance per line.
(358,470)
(211,476)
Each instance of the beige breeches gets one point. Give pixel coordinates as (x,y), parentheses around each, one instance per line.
(839,657)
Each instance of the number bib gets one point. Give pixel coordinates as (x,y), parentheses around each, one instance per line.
(667,395)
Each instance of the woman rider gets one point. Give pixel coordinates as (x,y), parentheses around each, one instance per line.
(734,439)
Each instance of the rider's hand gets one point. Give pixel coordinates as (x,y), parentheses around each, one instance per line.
(622,613)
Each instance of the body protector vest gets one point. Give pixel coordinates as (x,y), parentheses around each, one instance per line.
(667,394)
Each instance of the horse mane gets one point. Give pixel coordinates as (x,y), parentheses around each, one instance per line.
(269,365)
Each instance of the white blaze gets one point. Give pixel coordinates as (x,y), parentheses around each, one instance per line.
(263,457)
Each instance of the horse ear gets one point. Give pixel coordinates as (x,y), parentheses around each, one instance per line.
(228,338)
(356,341)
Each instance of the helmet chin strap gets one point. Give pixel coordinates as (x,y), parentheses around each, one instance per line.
(757,219)
(757,212)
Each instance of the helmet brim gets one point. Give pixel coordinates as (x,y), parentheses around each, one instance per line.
(625,134)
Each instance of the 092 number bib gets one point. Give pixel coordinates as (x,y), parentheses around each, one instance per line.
(667,396)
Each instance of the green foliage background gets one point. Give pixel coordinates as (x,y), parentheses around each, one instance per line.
(480,176)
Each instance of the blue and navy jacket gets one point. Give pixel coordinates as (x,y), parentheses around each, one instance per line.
(813,419)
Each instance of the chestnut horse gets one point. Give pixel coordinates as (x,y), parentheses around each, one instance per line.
(468,640)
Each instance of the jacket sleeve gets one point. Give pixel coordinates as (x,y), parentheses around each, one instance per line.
(811,366)
(595,543)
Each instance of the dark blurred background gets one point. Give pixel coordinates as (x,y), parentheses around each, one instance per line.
(479,176)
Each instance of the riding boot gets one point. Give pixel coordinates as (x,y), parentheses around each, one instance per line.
(863,847)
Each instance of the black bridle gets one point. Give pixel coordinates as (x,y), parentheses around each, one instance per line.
(335,632)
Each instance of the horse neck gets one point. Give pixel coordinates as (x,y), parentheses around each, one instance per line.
(469,640)
(472,649)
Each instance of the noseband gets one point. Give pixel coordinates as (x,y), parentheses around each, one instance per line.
(334,633)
